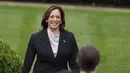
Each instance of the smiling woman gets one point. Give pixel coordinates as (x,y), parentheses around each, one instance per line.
(54,20)
(53,45)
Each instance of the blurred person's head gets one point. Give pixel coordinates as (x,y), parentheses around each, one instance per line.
(88,58)
(54,18)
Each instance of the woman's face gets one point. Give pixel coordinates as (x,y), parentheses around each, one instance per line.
(54,19)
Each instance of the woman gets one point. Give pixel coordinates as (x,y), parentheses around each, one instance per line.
(53,45)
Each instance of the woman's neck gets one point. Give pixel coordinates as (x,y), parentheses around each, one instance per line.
(55,31)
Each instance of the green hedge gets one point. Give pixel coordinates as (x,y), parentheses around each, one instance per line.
(9,60)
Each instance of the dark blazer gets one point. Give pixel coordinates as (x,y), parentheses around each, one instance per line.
(39,45)
(66,71)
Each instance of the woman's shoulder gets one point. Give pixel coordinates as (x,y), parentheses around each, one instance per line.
(69,33)
(39,33)
(33,35)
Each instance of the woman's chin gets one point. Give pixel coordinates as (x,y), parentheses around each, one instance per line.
(54,28)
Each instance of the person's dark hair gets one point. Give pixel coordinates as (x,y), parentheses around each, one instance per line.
(88,58)
(47,14)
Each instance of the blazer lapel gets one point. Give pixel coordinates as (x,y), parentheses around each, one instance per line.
(48,47)
(62,40)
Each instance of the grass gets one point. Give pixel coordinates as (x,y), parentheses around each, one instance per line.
(108,30)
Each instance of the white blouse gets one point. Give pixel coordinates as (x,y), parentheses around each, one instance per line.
(54,41)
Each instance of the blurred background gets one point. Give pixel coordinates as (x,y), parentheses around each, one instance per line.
(119,3)
(102,23)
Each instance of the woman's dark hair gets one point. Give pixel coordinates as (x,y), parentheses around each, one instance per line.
(88,58)
(47,14)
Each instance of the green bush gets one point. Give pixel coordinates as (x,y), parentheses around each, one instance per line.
(9,60)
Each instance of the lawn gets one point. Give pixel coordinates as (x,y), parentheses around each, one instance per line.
(108,30)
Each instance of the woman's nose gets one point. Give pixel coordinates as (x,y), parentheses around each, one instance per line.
(54,18)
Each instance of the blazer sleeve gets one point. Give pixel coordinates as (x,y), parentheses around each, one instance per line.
(72,61)
(29,56)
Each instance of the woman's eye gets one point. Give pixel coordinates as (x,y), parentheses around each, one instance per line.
(51,16)
(57,16)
